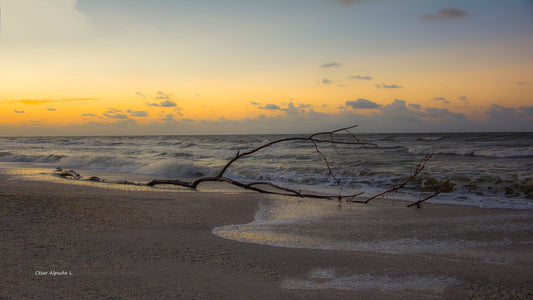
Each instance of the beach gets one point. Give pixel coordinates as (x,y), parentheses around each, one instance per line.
(66,239)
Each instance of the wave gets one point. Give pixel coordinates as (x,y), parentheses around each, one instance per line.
(20,158)
(175,168)
(497,153)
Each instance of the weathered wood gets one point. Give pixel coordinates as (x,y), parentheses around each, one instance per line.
(277,189)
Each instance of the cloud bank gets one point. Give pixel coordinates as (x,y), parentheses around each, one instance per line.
(449,13)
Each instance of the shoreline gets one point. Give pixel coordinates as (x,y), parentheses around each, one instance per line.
(105,242)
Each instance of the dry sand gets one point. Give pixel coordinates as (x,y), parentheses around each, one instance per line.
(106,242)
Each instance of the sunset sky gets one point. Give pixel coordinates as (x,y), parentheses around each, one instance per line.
(113,67)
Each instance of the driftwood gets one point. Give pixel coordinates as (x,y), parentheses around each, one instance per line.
(314,139)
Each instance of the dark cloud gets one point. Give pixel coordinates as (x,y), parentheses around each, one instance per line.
(166,103)
(51,109)
(254,103)
(169,119)
(88,115)
(326,81)
(506,116)
(331,65)
(304,106)
(432,112)
(270,107)
(349,2)
(526,111)
(113,110)
(19,111)
(163,96)
(498,112)
(390,86)
(362,104)
(415,106)
(462,98)
(291,109)
(116,116)
(141,94)
(446,14)
(139,113)
(360,77)
(522,83)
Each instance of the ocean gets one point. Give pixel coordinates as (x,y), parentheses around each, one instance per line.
(489,169)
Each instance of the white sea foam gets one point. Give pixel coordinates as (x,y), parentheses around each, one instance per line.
(315,224)
(432,286)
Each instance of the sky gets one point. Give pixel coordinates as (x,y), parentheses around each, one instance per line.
(139,67)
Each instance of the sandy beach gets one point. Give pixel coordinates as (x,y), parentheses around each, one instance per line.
(63,239)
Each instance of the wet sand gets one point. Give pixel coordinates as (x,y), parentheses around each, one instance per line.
(106,242)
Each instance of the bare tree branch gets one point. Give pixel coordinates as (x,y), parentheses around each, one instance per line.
(271,188)
(418,168)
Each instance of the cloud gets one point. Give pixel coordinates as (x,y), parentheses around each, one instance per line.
(446,14)
(498,112)
(254,103)
(432,112)
(41,101)
(509,118)
(526,112)
(163,96)
(349,2)
(166,103)
(51,109)
(522,83)
(397,116)
(291,109)
(113,110)
(141,94)
(270,107)
(19,111)
(462,98)
(390,86)
(139,113)
(326,81)
(116,116)
(88,115)
(331,65)
(360,77)
(362,104)
(167,100)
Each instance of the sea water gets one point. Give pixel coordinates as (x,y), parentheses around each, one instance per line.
(489,169)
